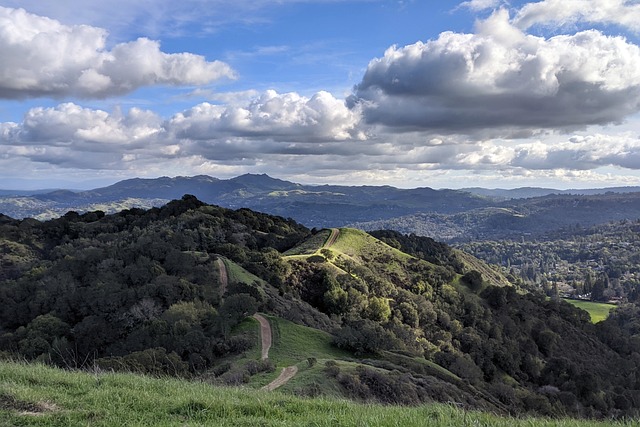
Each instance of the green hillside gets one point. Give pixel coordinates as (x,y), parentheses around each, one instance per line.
(379,318)
(35,395)
(597,310)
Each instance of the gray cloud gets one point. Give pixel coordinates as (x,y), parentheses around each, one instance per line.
(42,57)
(501,81)
(324,137)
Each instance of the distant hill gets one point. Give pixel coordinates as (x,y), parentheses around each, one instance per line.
(517,218)
(315,206)
(528,192)
(447,215)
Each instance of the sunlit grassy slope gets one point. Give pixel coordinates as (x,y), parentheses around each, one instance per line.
(597,310)
(311,245)
(35,395)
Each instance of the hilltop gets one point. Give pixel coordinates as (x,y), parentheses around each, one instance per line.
(381,317)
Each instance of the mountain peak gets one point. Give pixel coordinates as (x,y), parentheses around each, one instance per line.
(263,182)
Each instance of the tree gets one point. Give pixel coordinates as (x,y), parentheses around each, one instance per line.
(234,309)
(597,292)
(473,279)
(378,309)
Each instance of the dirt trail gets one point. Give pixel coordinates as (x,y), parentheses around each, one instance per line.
(224,277)
(286,374)
(265,333)
(332,238)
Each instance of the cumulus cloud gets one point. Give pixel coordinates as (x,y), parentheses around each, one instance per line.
(42,57)
(283,131)
(270,124)
(502,81)
(71,136)
(287,117)
(561,13)
(69,124)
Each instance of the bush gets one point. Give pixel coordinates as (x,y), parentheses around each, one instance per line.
(254,367)
(220,369)
(473,279)
(152,361)
(331,368)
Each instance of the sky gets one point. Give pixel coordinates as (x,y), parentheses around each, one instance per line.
(412,93)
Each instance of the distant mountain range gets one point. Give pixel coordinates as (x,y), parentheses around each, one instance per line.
(528,192)
(449,215)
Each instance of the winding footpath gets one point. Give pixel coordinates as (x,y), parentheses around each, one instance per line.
(332,238)
(265,333)
(284,377)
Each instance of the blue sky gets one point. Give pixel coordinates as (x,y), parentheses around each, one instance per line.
(406,93)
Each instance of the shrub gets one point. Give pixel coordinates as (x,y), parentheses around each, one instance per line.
(331,368)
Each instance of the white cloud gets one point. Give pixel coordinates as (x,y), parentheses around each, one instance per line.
(271,124)
(69,136)
(42,57)
(452,106)
(576,153)
(501,81)
(287,117)
(562,13)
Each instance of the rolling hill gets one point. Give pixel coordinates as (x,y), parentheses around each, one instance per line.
(389,318)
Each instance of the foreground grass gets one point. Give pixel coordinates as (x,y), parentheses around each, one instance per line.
(597,310)
(35,395)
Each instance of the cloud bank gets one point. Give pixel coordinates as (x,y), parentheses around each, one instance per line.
(42,57)
(272,123)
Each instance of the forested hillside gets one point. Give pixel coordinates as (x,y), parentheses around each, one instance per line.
(144,291)
(600,263)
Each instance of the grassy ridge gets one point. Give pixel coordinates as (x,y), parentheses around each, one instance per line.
(597,310)
(357,243)
(35,395)
(311,245)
